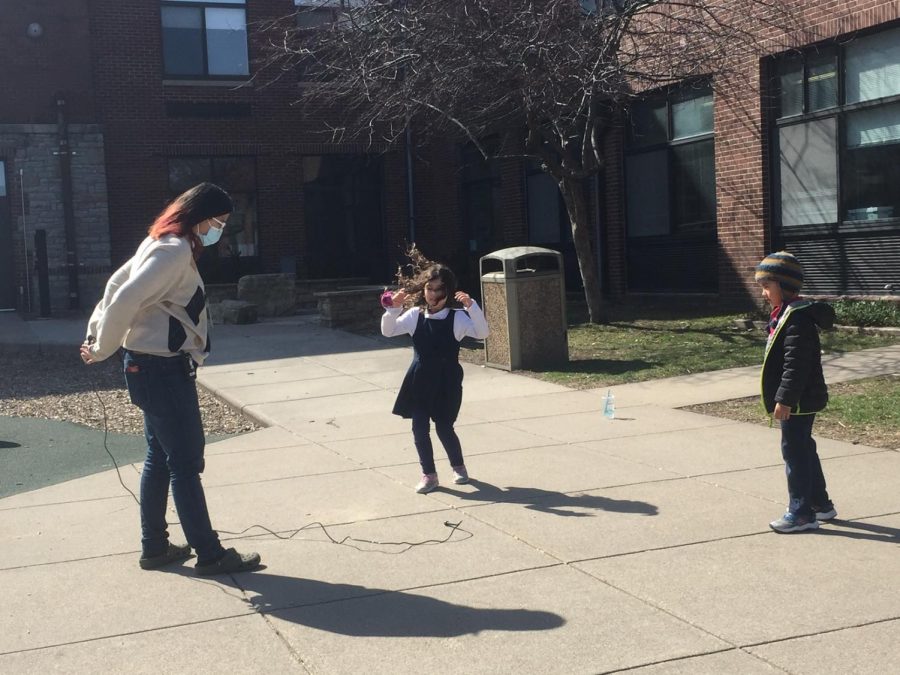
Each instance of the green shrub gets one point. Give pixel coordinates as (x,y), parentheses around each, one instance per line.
(874,313)
(867,313)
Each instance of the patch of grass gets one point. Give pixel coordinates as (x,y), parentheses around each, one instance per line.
(867,404)
(863,411)
(632,349)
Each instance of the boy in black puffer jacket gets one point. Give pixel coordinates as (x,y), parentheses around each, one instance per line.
(793,387)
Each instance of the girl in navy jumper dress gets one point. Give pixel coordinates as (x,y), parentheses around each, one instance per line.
(432,387)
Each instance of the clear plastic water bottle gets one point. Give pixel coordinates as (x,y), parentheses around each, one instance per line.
(609,405)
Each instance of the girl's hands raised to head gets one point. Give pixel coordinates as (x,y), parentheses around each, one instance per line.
(398,298)
(464,298)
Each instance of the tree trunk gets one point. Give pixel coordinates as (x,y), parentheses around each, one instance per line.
(575,198)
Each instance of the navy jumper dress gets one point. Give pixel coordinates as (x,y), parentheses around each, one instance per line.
(433,382)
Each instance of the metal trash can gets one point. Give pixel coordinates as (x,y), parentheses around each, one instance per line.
(524,297)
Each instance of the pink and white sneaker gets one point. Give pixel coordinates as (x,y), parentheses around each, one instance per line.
(428,483)
(460,475)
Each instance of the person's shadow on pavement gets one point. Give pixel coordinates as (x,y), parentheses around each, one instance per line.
(378,612)
(550,501)
(853,529)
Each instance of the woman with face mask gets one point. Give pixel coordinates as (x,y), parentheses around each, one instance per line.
(154,307)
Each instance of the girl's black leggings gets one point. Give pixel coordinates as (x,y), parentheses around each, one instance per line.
(421,428)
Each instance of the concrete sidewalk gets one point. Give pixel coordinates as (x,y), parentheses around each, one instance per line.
(585,545)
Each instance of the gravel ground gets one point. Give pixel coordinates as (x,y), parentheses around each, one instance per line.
(59,386)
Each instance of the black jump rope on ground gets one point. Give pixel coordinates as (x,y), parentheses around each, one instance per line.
(346,541)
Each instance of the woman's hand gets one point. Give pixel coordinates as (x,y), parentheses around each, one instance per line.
(464,298)
(86,354)
(398,298)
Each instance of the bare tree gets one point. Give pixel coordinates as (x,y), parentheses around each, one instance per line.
(552,76)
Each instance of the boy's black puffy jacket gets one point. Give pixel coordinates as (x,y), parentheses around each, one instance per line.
(792,367)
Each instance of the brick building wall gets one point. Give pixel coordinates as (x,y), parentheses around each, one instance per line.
(45,49)
(129,121)
(38,68)
(743,177)
(136,101)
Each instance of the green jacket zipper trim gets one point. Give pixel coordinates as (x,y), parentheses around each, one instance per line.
(791,308)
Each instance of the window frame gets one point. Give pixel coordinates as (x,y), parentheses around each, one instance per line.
(202,6)
(213,164)
(477,173)
(320,7)
(355,178)
(840,112)
(670,98)
(531,169)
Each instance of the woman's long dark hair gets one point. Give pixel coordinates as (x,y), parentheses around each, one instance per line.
(192,206)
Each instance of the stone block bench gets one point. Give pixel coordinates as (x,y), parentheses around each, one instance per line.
(273,294)
(233,311)
(354,308)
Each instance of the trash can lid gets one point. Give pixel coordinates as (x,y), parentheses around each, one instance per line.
(519,252)
(509,260)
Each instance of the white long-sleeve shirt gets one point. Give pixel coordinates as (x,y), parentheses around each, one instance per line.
(473,324)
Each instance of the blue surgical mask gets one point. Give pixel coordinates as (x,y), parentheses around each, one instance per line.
(213,234)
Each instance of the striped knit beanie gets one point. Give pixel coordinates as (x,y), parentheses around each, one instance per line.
(782,267)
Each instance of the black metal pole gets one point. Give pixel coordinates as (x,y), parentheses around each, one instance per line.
(43,270)
(65,173)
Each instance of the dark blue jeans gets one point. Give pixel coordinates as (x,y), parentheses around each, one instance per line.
(806,482)
(421,428)
(165,390)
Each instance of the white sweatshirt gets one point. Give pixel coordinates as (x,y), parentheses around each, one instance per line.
(472,324)
(155,304)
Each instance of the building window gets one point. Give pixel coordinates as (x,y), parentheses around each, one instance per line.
(312,16)
(670,164)
(204,38)
(342,213)
(319,13)
(478,180)
(548,220)
(237,252)
(838,133)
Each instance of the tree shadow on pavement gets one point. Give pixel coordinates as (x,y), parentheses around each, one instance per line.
(552,502)
(379,612)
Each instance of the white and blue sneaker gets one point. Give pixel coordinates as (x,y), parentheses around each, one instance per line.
(826,512)
(791,522)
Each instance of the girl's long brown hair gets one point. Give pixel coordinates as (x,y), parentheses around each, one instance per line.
(420,270)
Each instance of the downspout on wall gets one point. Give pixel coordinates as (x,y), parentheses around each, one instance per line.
(65,173)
